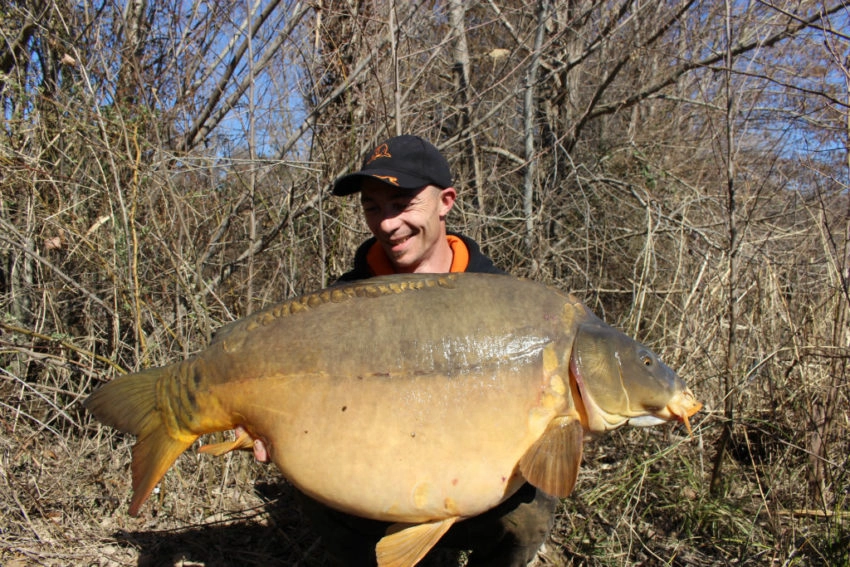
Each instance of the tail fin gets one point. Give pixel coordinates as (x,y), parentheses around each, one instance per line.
(129,404)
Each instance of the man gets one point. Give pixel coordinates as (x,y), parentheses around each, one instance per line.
(406,191)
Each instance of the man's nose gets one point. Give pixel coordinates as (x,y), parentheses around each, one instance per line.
(389,222)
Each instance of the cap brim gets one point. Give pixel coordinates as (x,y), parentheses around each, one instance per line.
(348,184)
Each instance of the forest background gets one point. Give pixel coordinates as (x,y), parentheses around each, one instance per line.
(681,165)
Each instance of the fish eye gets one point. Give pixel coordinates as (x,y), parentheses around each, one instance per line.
(646,360)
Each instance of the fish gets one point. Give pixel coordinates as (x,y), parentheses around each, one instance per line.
(419,400)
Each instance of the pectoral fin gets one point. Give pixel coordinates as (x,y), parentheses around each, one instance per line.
(244,443)
(552,463)
(405,544)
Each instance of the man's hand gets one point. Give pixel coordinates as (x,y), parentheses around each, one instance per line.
(260,452)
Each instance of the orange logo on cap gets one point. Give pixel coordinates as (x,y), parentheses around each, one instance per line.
(380,151)
(388,178)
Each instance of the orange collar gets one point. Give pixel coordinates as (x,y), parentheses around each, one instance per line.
(381,265)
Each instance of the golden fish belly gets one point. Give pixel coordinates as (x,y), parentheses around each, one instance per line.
(401,448)
(420,414)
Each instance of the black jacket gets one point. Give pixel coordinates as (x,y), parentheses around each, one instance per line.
(478,262)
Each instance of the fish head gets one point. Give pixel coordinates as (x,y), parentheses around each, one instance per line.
(617,381)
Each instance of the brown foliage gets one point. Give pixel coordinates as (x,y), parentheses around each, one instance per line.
(683,169)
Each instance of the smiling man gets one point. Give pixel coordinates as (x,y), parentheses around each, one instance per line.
(406,190)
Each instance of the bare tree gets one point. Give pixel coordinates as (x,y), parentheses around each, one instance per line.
(681,166)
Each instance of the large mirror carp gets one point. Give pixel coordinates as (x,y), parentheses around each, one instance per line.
(417,399)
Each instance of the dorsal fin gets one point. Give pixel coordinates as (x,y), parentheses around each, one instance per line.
(552,463)
(405,544)
(373,287)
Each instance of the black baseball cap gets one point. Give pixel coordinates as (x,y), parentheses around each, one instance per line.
(406,162)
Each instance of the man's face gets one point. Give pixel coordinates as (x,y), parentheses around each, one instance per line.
(409,225)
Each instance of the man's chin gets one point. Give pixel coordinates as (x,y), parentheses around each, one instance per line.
(403,266)
(401,257)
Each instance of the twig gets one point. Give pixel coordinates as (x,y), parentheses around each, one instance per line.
(57,271)
(67,344)
(803,512)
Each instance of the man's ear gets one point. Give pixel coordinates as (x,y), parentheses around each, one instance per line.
(448,196)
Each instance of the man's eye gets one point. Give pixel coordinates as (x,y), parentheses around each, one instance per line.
(400,207)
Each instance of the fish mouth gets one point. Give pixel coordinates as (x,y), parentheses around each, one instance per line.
(682,406)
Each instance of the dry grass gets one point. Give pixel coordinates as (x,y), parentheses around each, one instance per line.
(122,249)
(65,502)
